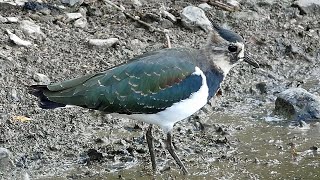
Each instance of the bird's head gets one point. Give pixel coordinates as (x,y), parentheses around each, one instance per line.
(227,49)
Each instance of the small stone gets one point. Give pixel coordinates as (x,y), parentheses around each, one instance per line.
(31,29)
(165,23)
(94,155)
(73,16)
(3,19)
(81,23)
(205,6)
(14,95)
(72,2)
(103,42)
(298,104)
(294,49)
(262,87)
(41,78)
(21,2)
(92,11)
(235,4)
(136,3)
(17,40)
(192,16)
(34,6)
(12,19)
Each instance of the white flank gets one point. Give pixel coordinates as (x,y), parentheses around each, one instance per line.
(180,110)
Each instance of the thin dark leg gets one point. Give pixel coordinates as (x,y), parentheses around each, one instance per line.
(173,154)
(151,148)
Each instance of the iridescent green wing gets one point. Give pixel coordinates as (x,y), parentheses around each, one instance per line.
(148,84)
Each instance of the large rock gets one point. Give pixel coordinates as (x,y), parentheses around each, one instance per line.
(192,16)
(31,29)
(298,104)
(307,6)
(6,164)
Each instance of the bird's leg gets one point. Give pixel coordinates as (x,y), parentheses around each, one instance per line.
(151,148)
(169,147)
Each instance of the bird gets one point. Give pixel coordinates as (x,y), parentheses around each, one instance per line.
(159,87)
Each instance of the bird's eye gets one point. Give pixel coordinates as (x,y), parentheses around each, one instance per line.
(233,48)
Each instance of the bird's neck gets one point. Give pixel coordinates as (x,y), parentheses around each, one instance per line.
(217,62)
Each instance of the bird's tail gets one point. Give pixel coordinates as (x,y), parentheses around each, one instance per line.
(44,102)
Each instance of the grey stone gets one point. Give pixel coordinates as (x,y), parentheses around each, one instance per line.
(103,42)
(12,19)
(205,6)
(298,104)
(81,23)
(3,19)
(17,40)
(14,95)
(6,164)
(192,16)
(41,78)
(307,6)
(165,23)
(74,16)
(31,29)
(136,3)
(72,2)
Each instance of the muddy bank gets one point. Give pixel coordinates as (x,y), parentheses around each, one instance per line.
(235,134)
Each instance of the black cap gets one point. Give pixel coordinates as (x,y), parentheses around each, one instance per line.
(227,34)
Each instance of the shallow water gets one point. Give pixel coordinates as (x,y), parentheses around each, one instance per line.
(263,147)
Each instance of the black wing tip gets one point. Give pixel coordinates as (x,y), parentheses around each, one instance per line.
(44,102)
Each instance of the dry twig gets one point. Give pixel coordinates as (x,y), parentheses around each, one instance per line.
(149,26)
(222,5)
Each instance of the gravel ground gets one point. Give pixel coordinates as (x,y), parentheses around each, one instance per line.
(76,143)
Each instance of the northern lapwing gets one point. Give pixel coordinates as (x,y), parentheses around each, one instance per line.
(160,87)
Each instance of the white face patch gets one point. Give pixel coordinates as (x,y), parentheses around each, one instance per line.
(241,53)
(224,64)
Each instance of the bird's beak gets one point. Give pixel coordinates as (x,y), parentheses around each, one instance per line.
(251,61)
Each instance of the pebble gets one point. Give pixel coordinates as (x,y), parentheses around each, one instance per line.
(165,23)
(103,42)
(205,6)
(235,4)
(31,29)
(13,2)
(72,2)
(136,3)
(14,95)
(81,23)
(74,16)
(17,40)
(298,104)
(3,19)
(192,16)
(12,19)
(262,87)
(34,6)
(41,78)
(307,3)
